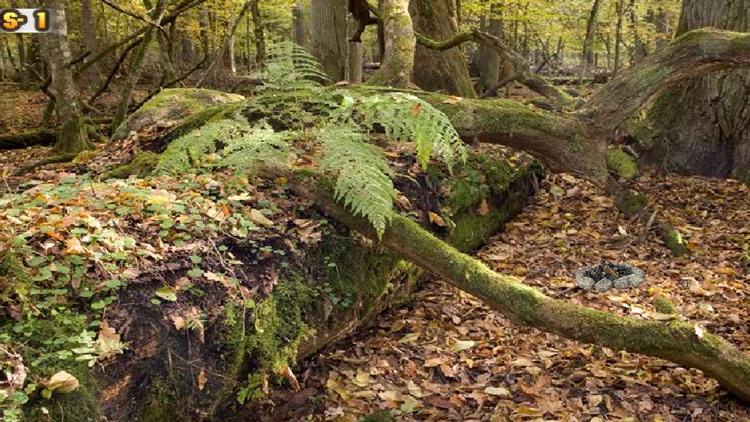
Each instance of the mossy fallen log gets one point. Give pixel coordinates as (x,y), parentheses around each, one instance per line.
(28,139)
(675,340)
(229,350)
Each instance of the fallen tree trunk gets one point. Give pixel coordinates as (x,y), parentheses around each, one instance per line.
(676,341)
(28,139)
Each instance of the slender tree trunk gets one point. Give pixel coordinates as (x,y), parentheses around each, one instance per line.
(72,136)
(165,58)
(228,39)
(328,22)
(489,60)
(441,71)
(89,26)
(22,62)
(300,25)
(587,57)
(137,65)
(355,53)
(619,10)
(260,38)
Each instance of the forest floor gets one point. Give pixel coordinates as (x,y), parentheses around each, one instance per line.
(446,356)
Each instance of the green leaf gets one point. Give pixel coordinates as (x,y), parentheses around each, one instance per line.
(167,293)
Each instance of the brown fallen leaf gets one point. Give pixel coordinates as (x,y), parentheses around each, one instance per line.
(202,379)
(436,219)
(484,208)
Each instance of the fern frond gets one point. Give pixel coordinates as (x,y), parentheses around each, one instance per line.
(290,66)
(406,117)
(260,146)
(190,149)
(363,176)
(230,144)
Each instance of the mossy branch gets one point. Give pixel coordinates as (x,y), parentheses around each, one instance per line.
(693,54)
(676,341)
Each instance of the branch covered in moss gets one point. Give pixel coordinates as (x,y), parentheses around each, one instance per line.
(692,54)
(676,340)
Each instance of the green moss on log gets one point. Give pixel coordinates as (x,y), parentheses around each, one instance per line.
(142,165)
(621,164)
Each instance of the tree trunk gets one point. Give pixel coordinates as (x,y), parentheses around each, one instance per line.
(72,136)
(227,59)
(355,53)
(328,36)
(489,60)
(22,62)
(136,65)
(619,10)
(675,341)
(260,37)
(706,116)
(587,57)
(439,71)
(228,40)
(397,66)
(300,24)
(89,26)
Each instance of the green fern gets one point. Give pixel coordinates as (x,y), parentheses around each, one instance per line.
(363,177)
(228,143)
(289,66)
(260,146)
(192,149)
(406,117)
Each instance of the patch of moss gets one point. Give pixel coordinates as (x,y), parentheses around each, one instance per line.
(664,306)
(161,405)
(631,204)
(141,166)
(675,242)
(621,164)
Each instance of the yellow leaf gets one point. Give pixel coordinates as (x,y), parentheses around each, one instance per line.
(161,197)
(390,395)
(62,382)
(463,345)
(497,391)
(73,247)
(658,316)
(452,100)
(727,271)
(362,379)
(434,218)
(202,379)
(258,218)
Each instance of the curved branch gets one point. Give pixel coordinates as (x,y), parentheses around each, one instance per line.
(676,340)
(692,54)
(522,74)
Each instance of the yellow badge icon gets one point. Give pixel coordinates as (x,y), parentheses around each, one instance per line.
(12,20)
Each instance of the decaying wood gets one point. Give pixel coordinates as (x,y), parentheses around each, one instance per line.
(674,340)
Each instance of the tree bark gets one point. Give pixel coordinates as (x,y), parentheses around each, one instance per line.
(489,59)
(260,37)
(328,36)
(72,136)
(300,25)
(587,56)
(705,116)
(676,341)
(136,65)
(439,71)
(400,41)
